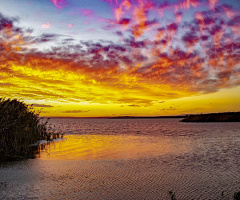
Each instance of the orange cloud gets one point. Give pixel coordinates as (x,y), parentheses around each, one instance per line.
(212,3)
(177,62)
(125,5)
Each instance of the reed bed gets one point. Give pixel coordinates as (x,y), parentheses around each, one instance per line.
(21,126)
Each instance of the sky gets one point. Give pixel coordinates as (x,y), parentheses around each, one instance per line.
(106,58)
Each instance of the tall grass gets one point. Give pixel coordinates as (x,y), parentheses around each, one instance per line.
(20,126)
(237,195)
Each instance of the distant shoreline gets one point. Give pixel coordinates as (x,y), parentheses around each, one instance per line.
(150,117)
(120,117)
(213,117)
(209,117)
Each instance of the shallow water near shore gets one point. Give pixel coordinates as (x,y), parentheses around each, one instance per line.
(130,159)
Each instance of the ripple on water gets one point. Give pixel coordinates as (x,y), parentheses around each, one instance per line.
(130,159)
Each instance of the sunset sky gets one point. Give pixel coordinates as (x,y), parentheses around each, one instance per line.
(97,58)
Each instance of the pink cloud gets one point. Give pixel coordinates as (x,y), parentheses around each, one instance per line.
(212,3)
(47,25)
(178,16)
(59,3)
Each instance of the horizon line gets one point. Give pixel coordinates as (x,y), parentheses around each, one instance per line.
(132,116)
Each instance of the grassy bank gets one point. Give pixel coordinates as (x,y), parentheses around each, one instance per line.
(214,117)
(20,126)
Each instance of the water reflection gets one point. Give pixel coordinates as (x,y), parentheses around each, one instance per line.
(130,159)
(84,147)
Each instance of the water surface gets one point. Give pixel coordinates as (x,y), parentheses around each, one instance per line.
(130,159)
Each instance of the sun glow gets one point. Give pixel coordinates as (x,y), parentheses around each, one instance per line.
(159,58)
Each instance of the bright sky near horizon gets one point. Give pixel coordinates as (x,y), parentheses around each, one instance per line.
(100,58)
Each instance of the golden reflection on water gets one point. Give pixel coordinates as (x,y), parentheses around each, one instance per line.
(100,147)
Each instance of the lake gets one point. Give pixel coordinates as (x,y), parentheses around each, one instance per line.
(129,159)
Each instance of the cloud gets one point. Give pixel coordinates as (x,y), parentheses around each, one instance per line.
(133,105)
(59,3)
(190,38)
(7,85)
(6,22)
(179,59)
(168,109)
(46,38)
(46,25)
(124,21)
(212,3)
(41,105)
(76,111)
(119,33)
(178,17)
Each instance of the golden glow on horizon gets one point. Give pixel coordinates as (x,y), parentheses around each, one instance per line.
(71,94)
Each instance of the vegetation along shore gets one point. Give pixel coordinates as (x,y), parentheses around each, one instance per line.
(20,127)
(213,117)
